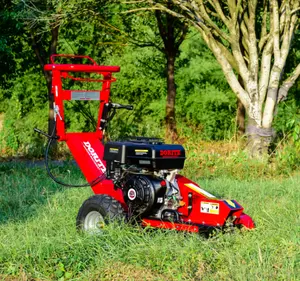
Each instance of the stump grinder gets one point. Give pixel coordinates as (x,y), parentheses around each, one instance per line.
(132,178)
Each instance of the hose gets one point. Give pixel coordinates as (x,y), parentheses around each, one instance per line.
(92,183)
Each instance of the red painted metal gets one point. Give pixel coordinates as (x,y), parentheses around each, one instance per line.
(170,225)
(245,220)
(198,212)
(82,68)
(87,148)
(198,209)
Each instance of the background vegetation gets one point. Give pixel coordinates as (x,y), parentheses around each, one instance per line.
(205,105)
(38,240)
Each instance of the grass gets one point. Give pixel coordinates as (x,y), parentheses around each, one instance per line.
(38,240)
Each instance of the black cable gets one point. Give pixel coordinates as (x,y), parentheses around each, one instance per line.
(53,137)
(92,183)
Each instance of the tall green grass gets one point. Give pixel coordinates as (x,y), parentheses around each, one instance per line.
(38,240)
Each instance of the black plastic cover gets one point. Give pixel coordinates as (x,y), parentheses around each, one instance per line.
(157,156)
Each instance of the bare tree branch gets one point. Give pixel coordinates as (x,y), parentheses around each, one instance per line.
(276,31)
(227,68)
(295,10)
(229,28)
(161,28)
(253,53)
(288,83)
(265,68)
(219,10)
(264,34)
(182,36)
(210,23)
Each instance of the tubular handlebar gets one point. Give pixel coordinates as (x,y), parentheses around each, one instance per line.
(79,67)
(82,68)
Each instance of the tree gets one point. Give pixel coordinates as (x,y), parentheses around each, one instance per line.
(250,38)
(172,31)
(169,32)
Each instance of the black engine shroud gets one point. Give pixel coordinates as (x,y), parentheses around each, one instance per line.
(152,156)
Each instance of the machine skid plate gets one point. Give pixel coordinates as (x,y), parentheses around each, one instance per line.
(170,225)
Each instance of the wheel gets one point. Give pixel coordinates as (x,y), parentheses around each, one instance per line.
(97,211)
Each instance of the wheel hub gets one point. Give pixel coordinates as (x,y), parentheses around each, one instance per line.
(94,221)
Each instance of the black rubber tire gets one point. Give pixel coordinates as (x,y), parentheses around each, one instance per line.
(109,208)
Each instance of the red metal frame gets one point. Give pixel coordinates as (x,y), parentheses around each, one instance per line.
(87,148)
(198,210)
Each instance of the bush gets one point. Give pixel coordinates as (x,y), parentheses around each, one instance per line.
(211,111)
(27,108)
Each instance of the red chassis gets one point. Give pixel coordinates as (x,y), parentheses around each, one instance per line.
(198,209)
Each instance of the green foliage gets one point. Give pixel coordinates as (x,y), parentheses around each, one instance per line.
(197,66)
(204,98)
(205,106)
(26,109)
(287,125)
(141,83)
(211,111)
(287,118)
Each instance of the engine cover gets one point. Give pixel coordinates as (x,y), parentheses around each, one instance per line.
(152,156)
(143,194)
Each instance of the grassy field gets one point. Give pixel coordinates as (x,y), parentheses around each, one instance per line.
(38,240)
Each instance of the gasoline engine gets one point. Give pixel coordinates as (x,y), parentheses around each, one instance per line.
(145,169)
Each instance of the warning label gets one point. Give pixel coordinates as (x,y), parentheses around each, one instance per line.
(141,151)
(210,208)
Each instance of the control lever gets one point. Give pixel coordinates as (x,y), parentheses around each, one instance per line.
(105,114)
(44,134)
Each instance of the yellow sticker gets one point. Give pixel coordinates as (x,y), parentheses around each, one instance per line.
(230,203)
(141,152)
(113,150)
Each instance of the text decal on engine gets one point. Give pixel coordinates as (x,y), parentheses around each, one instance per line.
(94,156)
(169,153)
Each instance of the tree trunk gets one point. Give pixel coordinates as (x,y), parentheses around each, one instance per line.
(52,51)
(259,139)
(38,50)
(240,113)
(240,118)
(171,131)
